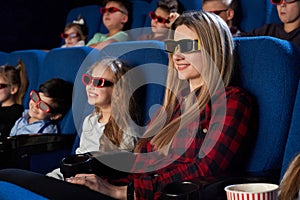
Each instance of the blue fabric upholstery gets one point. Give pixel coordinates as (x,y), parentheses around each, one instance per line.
(10,191)
(253,14)
(272,14)
(33,60)
(292,145)
(64,63)
(191,5)
(139,18)
(92,16)
(3,57)
(269,69)
(256,13)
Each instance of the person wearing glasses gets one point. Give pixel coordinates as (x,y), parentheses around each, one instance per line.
(289,14)
(115,16)
(13,86)
(205,123)
(227,10)
(75,33)
(161,20)
(104,130)
(52,100)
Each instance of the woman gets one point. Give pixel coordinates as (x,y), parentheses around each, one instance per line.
(205,122)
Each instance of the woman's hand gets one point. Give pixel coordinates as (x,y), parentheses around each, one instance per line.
(98,184)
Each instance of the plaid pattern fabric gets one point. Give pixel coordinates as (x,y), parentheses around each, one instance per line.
(210,150)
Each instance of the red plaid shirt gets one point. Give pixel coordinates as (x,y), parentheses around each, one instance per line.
(211,149)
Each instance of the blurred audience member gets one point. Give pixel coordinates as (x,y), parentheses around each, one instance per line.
(13,86)
(226,9)
(289,29)
(161,20)
(75,33)
(115,16)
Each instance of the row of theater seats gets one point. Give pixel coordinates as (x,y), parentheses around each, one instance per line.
(252,14)
(269,69)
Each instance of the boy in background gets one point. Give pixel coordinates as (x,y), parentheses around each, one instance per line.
(50,103)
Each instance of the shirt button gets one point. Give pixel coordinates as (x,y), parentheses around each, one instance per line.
(204,130)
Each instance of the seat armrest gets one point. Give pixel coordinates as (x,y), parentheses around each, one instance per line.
(38,143)
(38,152)
(212,188)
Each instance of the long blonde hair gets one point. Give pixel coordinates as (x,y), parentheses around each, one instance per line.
(216,54)
(16,76)
(290,184)
(117,121)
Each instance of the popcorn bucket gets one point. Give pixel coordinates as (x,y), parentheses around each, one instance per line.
(252,191)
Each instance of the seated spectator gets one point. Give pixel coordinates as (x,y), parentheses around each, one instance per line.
(75,33)
(115,16)
(13,86)
(289,29)
(100,132)
(289,188)
(161,20)
(205,123)
(226,9)
(48,104)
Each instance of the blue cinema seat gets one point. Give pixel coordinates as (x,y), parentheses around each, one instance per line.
(10,191)
(33,59)
(292,147)
(92,16)
(256,13)
(3,57)
(269,70)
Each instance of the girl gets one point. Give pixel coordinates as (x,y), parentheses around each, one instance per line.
(75,33)
(205,122)
(101,129)
(13,86)
(106,129)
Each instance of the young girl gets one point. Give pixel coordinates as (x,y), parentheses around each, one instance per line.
(101,129)
(106,128)
(75,33)
(13,86)
(205,124)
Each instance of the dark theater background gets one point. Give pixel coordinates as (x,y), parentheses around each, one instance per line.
(34,24)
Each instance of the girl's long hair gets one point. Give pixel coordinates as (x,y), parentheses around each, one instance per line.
(217,57)
(16,76)
(290,184)
(122,87)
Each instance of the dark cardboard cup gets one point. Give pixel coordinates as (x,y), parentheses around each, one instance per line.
(76,164)
(181,191)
